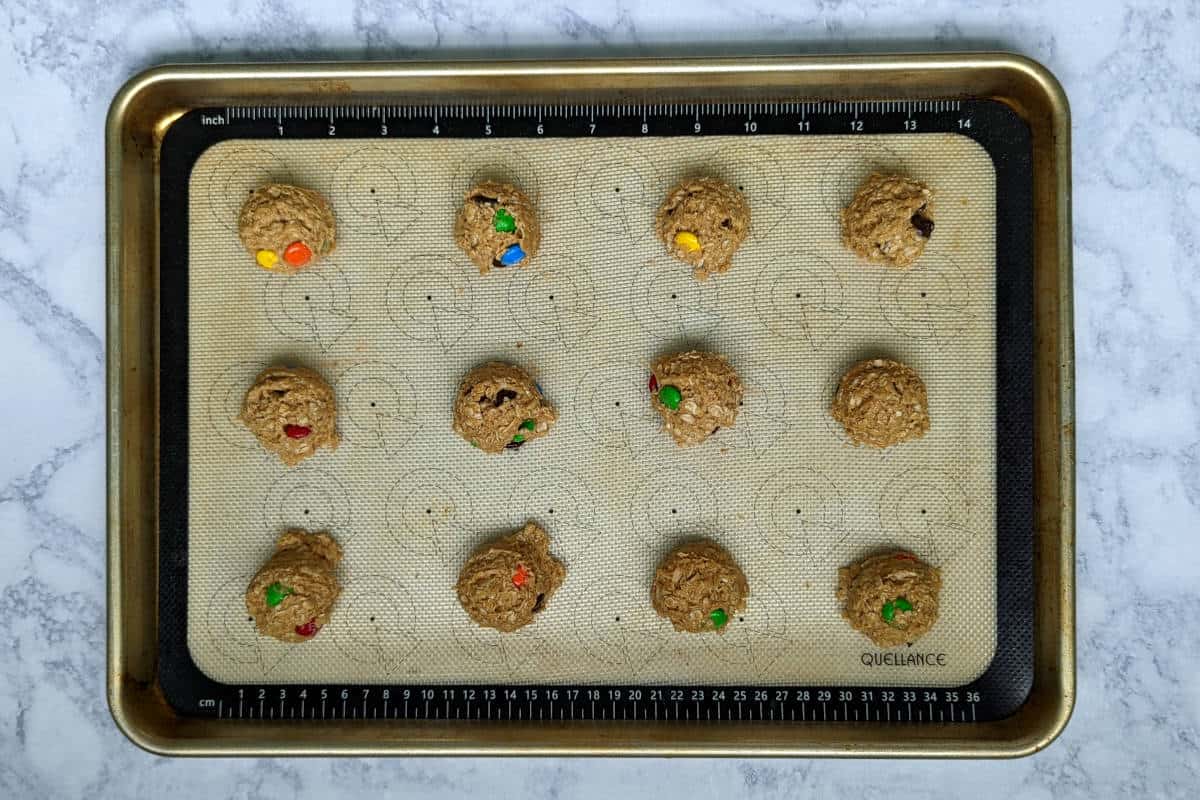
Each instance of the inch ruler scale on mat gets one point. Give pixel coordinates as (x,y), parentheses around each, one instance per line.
(634,119)
(998,692)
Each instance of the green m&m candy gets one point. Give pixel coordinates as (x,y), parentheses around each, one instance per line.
(670,396)
(528,424)
(276,592)
(892,606)
(503,221)
(719,618)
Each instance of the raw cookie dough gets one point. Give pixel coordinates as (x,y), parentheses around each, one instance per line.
(510,579)
(703,222)
(293,594)
(286,227)
(696,394)
(292,412)
(881,403)
(699,587)
(889,221)
(892,598)
(497,227)
(499,406)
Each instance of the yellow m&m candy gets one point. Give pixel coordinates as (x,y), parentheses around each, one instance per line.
(266,258)
(687,241)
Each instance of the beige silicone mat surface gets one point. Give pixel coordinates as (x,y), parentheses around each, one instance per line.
(397,315)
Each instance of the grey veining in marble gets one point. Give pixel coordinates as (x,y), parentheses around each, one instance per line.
(1132,71)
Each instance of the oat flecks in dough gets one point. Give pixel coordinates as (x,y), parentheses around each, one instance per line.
(288,400)
(889,221)
(499,406)
(703,222)
(697,582)
(710,395)
(508,581)
(302,572)
(892,599)
(881,403)
(476,233)
(276,216)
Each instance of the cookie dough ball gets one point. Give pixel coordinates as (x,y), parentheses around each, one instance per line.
(703,222)
(699,587)
(292,596)
(292,411)
(881,403)
(497,227)
(696,394)
(286,227)
(510,579)
(889,221)
(500,407)
(892,598)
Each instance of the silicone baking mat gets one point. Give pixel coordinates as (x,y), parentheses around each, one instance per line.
(397,315)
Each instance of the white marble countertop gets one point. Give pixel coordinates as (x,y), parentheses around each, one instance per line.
(1132,71)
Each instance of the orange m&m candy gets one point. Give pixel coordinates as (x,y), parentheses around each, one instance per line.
(297,254)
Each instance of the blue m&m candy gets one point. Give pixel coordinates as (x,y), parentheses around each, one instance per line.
(512,255)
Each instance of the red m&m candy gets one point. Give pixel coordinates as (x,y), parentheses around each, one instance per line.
(309,628)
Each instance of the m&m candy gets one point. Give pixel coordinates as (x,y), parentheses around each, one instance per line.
(309,628)
(297,254)
(687,241)
(719,618)
(670,396)
(892,606)
(503,221)
(512,255)
(276,592)
(266,259)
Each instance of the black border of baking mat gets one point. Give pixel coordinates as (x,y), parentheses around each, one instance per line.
(997,693)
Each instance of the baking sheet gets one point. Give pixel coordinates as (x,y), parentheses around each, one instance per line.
(397,315)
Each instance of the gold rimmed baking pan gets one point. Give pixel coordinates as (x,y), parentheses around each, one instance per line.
(143,117)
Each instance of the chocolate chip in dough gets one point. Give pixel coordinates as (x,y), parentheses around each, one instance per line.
(923,224)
